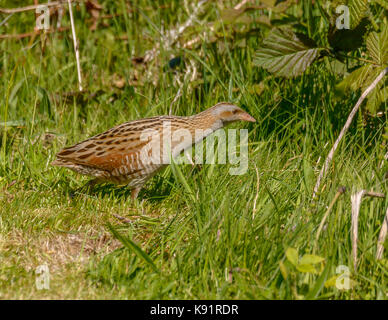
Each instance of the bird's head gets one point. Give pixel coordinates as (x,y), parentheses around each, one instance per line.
(228,113)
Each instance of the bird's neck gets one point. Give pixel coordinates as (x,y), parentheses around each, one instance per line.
(206,120)
(203,126)
(200,126)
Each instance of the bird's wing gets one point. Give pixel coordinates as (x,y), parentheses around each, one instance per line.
(121,145)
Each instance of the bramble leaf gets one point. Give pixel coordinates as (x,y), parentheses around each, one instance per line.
(377,46)
(358,79)
(286,53)
(378,96)
(358,10)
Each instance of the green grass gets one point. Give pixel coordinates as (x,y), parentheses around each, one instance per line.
(215,247)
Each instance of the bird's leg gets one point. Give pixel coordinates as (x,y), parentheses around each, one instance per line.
(134,193)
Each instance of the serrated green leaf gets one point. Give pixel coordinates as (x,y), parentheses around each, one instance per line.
(377,46)
(311,259)
(337,67)
(378,96)
(358,9)
(356,80)
(361,79)
(383,95)
(286,53)
(292,256)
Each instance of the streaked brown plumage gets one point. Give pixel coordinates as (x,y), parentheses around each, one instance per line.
(121,154)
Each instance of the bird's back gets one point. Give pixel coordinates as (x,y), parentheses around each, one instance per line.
(121,154)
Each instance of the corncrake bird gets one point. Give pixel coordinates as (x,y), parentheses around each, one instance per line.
(132,152)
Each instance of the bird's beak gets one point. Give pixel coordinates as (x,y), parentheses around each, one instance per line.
(247,117)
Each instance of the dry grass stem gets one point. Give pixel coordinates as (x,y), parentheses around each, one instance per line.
(356,205)
(382,236)
(75,46)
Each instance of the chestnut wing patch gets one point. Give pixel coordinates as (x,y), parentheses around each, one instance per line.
(104,151)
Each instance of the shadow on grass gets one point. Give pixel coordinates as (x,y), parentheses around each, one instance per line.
(154,192)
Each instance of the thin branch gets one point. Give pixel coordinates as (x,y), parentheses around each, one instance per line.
(374,194)
(345,128)
(75,46)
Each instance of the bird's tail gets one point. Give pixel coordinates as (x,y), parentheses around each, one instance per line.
(61,163)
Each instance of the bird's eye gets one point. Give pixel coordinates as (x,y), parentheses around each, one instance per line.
(234,111)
